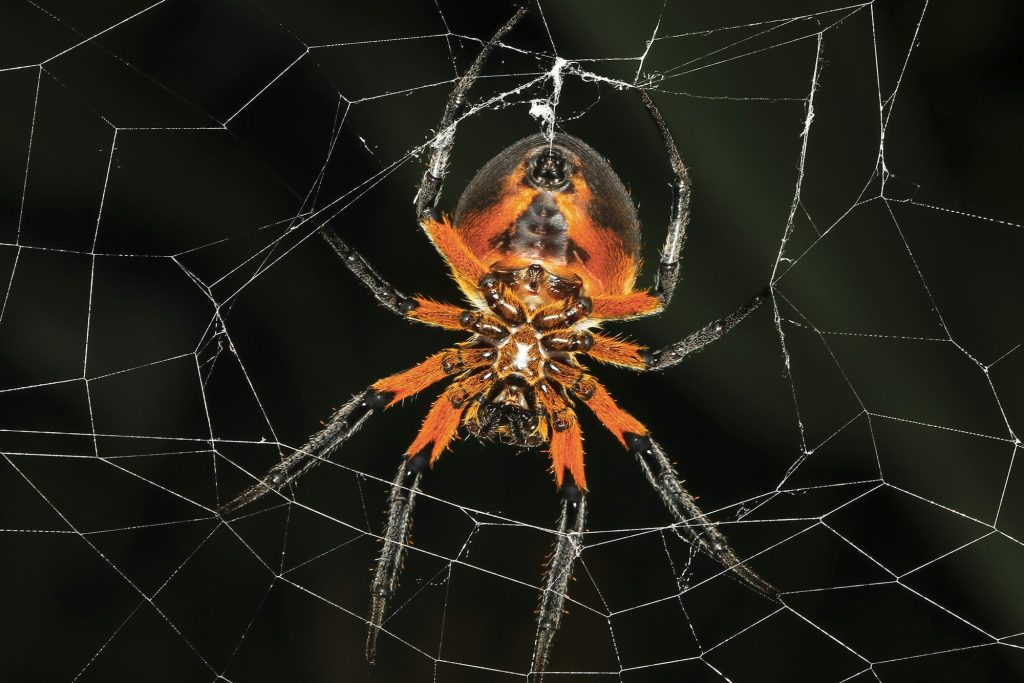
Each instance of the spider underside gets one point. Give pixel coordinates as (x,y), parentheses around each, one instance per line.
(545,245)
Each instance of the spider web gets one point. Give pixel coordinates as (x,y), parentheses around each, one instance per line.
(170,327)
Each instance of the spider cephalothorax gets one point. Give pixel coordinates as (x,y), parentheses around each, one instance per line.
(544,244)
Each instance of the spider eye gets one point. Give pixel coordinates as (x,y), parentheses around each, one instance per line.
(550,170)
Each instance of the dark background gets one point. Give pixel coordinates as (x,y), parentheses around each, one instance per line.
(167,312)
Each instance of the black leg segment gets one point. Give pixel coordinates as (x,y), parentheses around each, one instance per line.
(389,297)
(567,548)
(437,167)
(345,422)
(693,523)
(675,353)
(668,269)
(396,535)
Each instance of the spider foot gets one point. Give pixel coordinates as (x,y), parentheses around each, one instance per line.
(378,607)
(713,542)
(274,480)
(542,648)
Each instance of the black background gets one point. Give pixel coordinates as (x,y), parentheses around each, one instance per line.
(156,262)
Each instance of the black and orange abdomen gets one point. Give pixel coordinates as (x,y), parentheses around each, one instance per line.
(556,204)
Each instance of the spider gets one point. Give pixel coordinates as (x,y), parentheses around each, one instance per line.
(545,246)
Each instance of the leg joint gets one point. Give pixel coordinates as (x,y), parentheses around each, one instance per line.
(571,493)
(414,467)
(374,399)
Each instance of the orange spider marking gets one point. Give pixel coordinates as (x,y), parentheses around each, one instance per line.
(466,267)
(608,412)
(436,313)
(414,380)
(622,306)
(616,351)
(609,266)
(435,368)
(481,229)
(566,440)
(567,452)
(442,422)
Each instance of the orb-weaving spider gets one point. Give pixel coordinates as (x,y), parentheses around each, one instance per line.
(545,245)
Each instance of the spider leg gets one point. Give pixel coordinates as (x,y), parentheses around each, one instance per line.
(616,351)
(382,290)
(442,422)
(437,167)
(626,306)
(449,362)
(426,197)
(668,269)
(439,428)
(675,353)
(465,266)
(640,302)
(566,438)
(567,463)
(692,522)
(347,420)
(439,232)
(414,307)
(623,353)
(567,548)
(691,519)
(396,535)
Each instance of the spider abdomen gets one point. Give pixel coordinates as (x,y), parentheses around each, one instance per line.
(557,204)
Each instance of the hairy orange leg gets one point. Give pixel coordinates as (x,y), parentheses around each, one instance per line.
(608,412)
(465,266)
(436,313)
(442,422)
(617,352)
(566,439)
(449,362)
(634,304)
(597,398)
